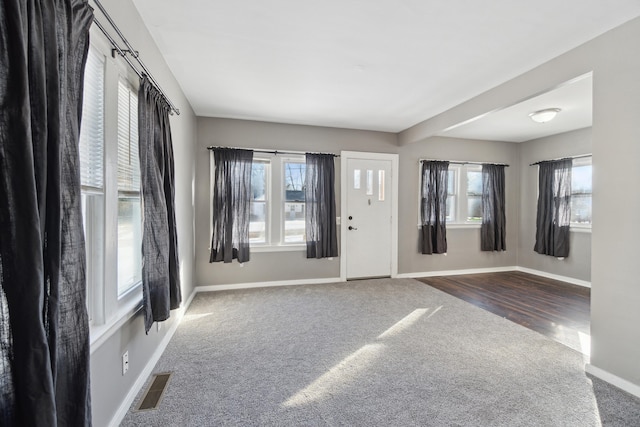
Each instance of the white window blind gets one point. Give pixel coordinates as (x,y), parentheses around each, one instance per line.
(92,128)
(128,159)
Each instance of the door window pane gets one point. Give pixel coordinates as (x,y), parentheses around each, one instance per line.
(369,182)
(381,185)
(356,179)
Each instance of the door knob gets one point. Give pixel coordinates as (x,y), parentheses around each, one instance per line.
(352,228)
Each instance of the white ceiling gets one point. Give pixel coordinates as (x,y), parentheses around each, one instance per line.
(378,65)
(513,123)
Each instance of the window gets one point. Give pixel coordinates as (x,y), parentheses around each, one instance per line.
(259,201)
(110,178)
(91,151)
(581,192)
(474,193)
(129,207)
(294,201)
(277,205)
(464,195)
(452,193)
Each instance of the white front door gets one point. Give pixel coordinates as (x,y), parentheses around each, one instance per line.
(367,219)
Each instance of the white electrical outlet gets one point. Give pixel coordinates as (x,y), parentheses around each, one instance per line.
(125,362)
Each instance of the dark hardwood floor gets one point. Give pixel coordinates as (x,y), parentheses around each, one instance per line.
(556,309)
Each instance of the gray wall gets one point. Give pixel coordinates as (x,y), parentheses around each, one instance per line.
(578,264)
(108,386)
(272,266)
(463,243)
(615,294)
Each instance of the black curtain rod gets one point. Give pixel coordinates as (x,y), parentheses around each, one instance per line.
(581,156)
(465,163)
(131,51)
(276,152)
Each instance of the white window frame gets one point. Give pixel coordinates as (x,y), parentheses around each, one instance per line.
(92,199)
(129,194)
(110,311)
(463,186)
(459,216)
(274,227)
(286,159)
(576,226)
(268,200)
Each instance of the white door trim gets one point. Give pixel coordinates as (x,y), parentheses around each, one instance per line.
(344,156)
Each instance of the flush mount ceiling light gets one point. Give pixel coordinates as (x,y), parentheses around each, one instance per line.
(543,116)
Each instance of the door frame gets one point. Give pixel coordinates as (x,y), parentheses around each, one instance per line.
(344,157)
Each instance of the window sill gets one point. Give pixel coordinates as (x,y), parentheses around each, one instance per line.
(463,226)
(279,248)
(99,334)
(580,229)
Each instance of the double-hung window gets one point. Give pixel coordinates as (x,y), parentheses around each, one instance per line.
(91,150)
(129,206)
(581,193)
(294,172)
(452,193)
(277,204)
(110,179)
(464,195)
(259,204)
(474,193)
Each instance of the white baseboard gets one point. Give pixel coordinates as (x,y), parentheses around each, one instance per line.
(455,272)
(555,277)
(615,380)
(250,285)
(144,375)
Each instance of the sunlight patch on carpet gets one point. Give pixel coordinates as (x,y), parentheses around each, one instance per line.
(435,311)
(343,374)
(190,317)
(404,323)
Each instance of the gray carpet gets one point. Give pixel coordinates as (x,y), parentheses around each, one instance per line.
(376,353)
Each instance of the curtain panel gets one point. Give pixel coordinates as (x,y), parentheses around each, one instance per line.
(320,206)
(433,207)
(493,228)
(160,265)
(554,208)
(231,205)
(44,328)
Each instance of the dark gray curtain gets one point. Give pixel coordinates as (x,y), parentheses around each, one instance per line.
(493,229)
(320,206)
(160,265)
(44,332)
(433,207)
(554,208)
(231,205)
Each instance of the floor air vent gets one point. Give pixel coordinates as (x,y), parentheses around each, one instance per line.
(153,395)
